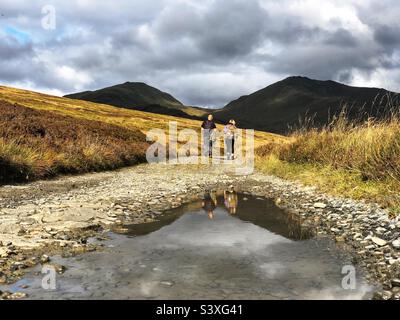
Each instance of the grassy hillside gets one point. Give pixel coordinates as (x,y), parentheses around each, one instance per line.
(359,160)
(38,144)
(130,119)
(45,135)
(279,106)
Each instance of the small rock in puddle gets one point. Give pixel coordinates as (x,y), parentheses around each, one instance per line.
(167,283)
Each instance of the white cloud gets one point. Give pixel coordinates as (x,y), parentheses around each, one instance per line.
(68,74)
(379,78)
(205,53)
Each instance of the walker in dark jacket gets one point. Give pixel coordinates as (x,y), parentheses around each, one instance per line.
(208,126)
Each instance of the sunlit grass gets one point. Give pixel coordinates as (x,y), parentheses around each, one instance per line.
(130,119)
(26,156)
(37,144)
(359,160)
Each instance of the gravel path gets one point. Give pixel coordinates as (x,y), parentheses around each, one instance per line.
(45,217)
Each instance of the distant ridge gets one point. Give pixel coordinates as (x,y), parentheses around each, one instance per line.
(276,108)
(280,105)
(138,96)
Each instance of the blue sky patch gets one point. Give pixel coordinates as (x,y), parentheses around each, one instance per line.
(21,36)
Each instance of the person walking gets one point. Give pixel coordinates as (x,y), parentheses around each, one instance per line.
(229,135)
(208,129)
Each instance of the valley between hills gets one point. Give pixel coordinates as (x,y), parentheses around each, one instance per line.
(340,180)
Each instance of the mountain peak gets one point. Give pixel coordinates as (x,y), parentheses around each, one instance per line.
(131,95)
(303,79)
(296,78)
(130,83)
(283,103)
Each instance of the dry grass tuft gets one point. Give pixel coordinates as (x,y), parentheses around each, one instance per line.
(39,144)
(367,151)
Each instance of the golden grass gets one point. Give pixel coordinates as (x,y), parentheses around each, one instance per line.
(359,160)
(143,121)
(26,155)
(347,159)
(38,144)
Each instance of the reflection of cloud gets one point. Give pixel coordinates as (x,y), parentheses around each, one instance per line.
(273,269)
(204,258)
(197,231)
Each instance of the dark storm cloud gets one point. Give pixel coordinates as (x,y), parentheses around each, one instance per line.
(225,28)
(341,38)
(387,36)
(231,28)
(203,52)
(11,49)
(14,59)
(183,37)
(345,77)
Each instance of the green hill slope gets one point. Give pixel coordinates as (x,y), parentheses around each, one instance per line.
(280,105)
(139,96)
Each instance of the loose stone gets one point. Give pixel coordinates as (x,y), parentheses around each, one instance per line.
(380,242)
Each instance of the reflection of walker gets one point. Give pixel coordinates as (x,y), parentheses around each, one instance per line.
(210,203)
(231,201)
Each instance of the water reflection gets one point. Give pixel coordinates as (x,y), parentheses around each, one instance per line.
(209,204)
(249,254)
(256,210)
(231,200)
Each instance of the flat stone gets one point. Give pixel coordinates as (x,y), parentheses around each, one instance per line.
(357,236)
(27,222)
(386,295)
(44,258)
(4,252)
(396,290)
(395,282)
(396,244)
(319,205)
(380,230)
(393,261)
(167,283)
(17,295)
(340,239)
(380,242)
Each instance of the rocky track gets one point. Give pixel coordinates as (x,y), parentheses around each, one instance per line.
(57,216)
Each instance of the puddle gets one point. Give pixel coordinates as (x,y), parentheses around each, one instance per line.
(230,246)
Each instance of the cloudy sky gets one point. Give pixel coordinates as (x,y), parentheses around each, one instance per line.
(203,52)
